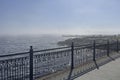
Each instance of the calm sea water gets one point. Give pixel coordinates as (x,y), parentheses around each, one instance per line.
(16,44)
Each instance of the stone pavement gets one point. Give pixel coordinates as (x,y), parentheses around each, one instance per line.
(110,71)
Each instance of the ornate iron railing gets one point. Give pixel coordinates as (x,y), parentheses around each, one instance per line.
(36,64)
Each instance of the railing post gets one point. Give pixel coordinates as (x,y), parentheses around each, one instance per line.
(31,63)
(117,45)
(94,51)
(108,47)
(72,56)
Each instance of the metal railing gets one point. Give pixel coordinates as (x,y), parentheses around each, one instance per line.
(36,64)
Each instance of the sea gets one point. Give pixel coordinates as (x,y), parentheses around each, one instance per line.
(18,44)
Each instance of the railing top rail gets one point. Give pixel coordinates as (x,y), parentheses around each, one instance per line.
(84,45)
(23,53)
(14,54)
(51,49)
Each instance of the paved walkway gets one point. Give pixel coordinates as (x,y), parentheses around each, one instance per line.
(110,71)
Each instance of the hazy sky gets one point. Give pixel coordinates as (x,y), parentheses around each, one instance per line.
(59,17)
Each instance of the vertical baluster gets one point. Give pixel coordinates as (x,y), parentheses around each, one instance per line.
(1,70)
(12,64)
(117,45)
(47,61)
(42,58)
(25,68)
(35,65)
(4,70)
(80,56)
(50,62)
(108,46)
(82,60)
(31,63)
(10,70)
(76,57)
(19,69)
(72,55)
(39,64)
(94,50)
(15,70)
(22,68)
(7,69)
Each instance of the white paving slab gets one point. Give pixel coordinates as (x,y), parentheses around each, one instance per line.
(110,71)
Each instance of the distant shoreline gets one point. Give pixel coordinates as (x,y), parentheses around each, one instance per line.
(86,39)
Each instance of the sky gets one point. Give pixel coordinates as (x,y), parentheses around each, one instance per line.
(20,17)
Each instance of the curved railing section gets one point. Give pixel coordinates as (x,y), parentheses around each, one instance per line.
(38,64)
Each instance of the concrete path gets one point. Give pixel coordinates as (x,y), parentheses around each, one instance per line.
(110,71)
